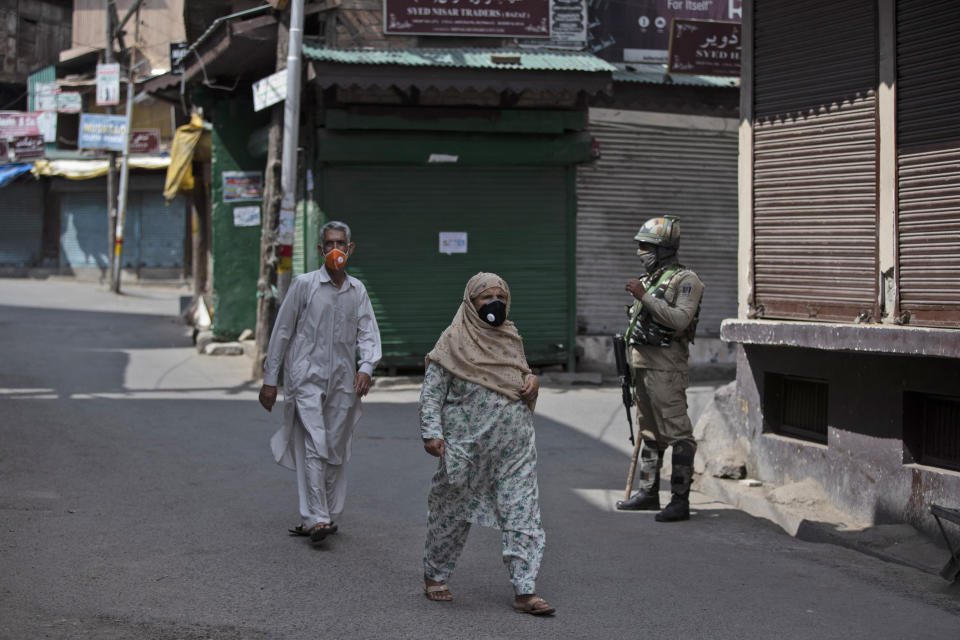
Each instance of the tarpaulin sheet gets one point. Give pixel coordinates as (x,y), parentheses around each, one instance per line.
(189,139)
(86,169)
(9,172)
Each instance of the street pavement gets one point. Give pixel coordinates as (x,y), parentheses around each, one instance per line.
(139,500)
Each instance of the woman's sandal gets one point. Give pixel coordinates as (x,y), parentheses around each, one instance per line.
(437,588)
(531,607)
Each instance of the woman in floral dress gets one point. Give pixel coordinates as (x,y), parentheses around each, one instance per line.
(476,415)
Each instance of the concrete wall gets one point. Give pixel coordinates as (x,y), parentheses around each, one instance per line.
(862,466)
(235,251)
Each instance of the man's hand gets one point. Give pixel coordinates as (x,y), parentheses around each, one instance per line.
(434,447)
(268,396)
(361,384)
(530,388)
(636,287)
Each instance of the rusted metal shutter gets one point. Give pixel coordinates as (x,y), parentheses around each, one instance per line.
(928,161)
(647,170)
(815,160)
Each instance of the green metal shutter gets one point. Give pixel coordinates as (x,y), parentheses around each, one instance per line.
(516,220)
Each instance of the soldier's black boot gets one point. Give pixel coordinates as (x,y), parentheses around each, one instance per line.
(680,479)
(648,497)
(643,500)
(677,510)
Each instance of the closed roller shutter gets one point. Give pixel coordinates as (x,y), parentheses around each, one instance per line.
(646,171)
(153,233)
(815,160)
(515,219)
(928,157)
(162,229)
(83,230)
(21,218)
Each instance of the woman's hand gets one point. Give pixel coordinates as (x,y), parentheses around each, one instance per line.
(434,447)
(530,388)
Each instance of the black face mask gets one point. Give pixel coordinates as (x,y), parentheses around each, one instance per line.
(493,313)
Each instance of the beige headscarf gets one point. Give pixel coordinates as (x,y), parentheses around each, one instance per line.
(473,350)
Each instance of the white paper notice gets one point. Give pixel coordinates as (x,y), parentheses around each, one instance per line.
(246,216)
(453,242)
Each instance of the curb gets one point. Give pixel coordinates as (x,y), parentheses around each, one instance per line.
(896,543)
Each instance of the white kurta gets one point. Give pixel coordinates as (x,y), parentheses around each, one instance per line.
(320,334)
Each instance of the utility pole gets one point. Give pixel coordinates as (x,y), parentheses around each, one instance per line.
(279,200)
(124,188)
(111,155)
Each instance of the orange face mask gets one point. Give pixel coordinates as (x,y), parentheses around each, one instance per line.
(335,260)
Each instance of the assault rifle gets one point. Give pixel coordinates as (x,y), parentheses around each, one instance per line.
(626,379)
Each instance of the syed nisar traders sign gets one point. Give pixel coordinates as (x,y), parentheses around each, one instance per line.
(503,18)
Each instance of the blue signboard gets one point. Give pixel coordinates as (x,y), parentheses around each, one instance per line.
(98,131)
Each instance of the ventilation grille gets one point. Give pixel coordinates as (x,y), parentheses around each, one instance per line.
(932,430)
(796,407)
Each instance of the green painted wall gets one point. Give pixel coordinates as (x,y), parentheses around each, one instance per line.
(235,251)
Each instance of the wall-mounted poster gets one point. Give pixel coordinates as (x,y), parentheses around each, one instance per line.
(453,242)
(496,18)
(239,186)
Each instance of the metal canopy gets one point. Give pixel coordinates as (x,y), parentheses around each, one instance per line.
(479,69)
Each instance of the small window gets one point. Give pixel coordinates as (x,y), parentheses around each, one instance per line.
(931,430)
(795,407)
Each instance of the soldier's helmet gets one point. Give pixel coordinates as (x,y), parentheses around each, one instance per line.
(662,232)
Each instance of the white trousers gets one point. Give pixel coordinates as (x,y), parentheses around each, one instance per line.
(322,486)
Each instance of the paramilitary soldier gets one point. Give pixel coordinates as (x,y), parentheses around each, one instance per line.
(663,321)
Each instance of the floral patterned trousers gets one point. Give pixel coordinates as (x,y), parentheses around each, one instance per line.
(522,552)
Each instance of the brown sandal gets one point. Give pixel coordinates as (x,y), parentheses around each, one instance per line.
(437,588)
(530,606)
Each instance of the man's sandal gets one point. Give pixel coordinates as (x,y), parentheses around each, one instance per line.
(301,530)
(321,530)
(437,588)
(535,606)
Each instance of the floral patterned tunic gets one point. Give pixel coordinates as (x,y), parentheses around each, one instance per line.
(488,473)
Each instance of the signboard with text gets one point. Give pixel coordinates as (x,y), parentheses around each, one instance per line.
(69,102)
(108,84)
(492,18)
(177,51)
(144,140)
(639,30)
(98,131)
(26,147)
(239,186)
(45,96)
(270,90)
(705,47)
(18,123)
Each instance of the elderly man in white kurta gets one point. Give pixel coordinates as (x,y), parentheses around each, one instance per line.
(324,328)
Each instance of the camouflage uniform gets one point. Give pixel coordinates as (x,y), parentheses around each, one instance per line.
(663,323)
(661,385)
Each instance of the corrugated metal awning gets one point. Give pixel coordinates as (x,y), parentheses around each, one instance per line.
(464,58)
(480,69)
(657,74)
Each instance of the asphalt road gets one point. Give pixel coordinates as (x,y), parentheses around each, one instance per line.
(139,500)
